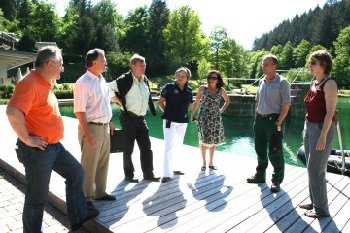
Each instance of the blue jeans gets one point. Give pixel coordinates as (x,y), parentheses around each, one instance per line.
(38,166)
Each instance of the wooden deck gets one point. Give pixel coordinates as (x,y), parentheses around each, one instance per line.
(210,201)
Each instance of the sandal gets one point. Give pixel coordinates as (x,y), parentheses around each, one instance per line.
(203,168)
(212,167)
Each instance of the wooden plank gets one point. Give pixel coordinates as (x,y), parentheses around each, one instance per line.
(339,212)
(236,204)
(303,222)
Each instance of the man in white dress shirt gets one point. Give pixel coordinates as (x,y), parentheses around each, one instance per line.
(93,109)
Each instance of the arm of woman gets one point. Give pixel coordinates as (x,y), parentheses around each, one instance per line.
(330,90)
(161,103)
(196,102)
(226,99)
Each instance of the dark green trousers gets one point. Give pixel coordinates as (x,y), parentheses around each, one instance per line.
(264,129)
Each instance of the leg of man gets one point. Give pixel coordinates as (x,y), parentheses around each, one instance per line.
(169,140)
(144,142)
(129,128)
(89,159)
(276,156)
(261,141)
(38,167)
(102,166)
(70,169)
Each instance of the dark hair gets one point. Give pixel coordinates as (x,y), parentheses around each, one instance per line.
(272,57)
(184,69)
(92,55)
(220,82)
(325,59)
(46,53)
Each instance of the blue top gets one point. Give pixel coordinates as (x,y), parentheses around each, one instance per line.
(177,102)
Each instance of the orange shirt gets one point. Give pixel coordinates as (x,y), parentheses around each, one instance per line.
(34,97)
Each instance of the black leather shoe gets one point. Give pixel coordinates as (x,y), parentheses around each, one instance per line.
(90,215)
(131,180)
(107,197)
(152,179)
(275,188)
(90,205)
(165,179)
(178,173)
(255,180)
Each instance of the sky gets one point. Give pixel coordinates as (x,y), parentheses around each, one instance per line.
(244,20)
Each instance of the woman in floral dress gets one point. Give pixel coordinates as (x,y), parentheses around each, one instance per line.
(210,127)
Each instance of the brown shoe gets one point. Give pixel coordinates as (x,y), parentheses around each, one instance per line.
(275,188)
(255,180)
(308,206)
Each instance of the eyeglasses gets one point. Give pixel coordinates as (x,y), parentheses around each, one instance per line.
(213,77)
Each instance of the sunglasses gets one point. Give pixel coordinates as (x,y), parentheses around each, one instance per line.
(213,77)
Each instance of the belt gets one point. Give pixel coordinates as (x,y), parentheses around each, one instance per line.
(98,123)
(132,114)
(267,115)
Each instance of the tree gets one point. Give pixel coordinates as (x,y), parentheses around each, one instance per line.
(109,25)
(46,25)
(300,53)
(341,70)
(255,60)
(158,20)
(286,59)
(217,38)
(184,37)
(135,39)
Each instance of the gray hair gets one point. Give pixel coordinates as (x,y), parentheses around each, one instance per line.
(46,53)
(137,58)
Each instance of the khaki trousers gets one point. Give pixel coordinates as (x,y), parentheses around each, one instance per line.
(95,160)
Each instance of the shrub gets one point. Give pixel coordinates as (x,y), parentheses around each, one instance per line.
(63,94)
(6,90)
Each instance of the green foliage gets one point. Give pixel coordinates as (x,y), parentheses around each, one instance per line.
(64,94)
(300,53)
(286,58)
(184,37)
(6,90)
(298,75)
(203,67)
(135,39)
(341,69)
(118,63)
(318,26)
(4,101)
(158,20)
(255,60)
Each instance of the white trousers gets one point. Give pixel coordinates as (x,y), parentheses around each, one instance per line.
(173,138)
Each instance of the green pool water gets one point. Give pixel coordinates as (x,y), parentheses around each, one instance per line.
(239,132)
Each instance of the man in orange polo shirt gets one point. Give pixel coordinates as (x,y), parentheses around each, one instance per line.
(34,115)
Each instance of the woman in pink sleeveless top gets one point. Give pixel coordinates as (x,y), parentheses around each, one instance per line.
(320,103)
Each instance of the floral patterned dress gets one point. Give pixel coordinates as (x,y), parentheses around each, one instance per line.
(210,126)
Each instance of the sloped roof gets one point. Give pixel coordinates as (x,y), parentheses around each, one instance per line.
(13,58)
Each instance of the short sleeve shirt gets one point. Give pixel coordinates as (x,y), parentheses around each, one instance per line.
(177,102)
(34,97)
(91,95)
(272,95)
